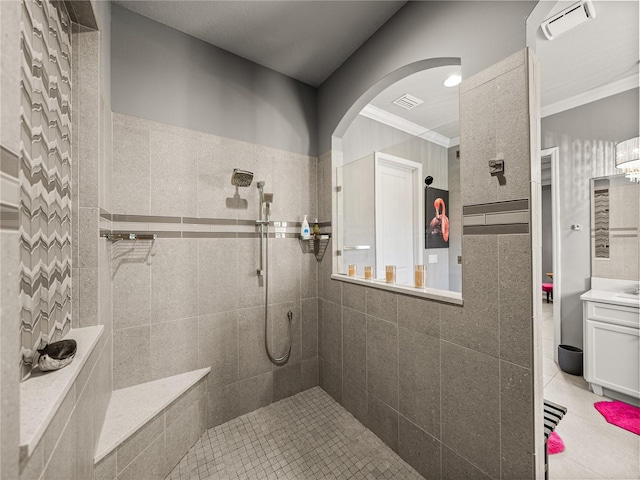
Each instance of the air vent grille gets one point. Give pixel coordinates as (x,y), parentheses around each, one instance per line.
(407,101)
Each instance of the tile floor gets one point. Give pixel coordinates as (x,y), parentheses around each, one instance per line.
(306,436)
(594,449)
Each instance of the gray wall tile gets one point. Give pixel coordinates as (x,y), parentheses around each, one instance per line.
(149,464)
(309,276)
(132,356)
(174,280)
(470,406)
(287,381)
(174,347)
(255,392)
(476,325)
(88,237)
(478,135)
(516,421)
(383,421)
(330,332)
(190,397)
(382,304)
(310,373)
(106,469)
(354,338)
(89,280)
(174,168)
(250,286)
(309,328)
(217,158)
(330,377)
(131,170)
(252,357)
(419,449)
(455,467)
(284,270)
(139,441)
(512,133)
(516,315)
(223,404)
(354,296)
(59,465)
(419,315)
(354,399)
(218,346)
(331,289)
(131,289)
(419,379)
(181,435)
(217,275)
(382,360)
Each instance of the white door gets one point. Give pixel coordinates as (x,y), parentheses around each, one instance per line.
(399,216)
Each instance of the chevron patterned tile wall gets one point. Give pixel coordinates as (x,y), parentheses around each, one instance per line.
(45,175)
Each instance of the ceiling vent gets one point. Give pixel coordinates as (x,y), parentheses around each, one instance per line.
(407,101)
(569,18)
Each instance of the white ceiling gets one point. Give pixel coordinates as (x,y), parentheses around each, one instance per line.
(306,40)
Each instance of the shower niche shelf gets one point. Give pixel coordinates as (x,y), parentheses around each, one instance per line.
(317,246)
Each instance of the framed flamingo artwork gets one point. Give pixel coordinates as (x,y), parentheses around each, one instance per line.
(436,220)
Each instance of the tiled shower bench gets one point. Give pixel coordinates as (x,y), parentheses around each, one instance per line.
(150,427)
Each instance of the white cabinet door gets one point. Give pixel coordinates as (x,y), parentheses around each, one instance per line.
(613,357)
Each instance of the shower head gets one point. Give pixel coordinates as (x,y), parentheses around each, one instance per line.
(241,178)
(261,184)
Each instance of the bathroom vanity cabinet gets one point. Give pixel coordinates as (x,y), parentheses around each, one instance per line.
(612,342)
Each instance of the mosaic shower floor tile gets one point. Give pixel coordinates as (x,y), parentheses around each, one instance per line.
(306,436)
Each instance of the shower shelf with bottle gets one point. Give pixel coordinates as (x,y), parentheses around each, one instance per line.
(316,245)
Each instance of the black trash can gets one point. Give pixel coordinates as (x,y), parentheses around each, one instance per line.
(570,359)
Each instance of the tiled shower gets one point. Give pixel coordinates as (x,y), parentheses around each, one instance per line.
(448,388)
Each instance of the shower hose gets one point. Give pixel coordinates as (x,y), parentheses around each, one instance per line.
(279,361)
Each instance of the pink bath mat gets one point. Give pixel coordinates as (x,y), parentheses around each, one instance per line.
(554,444)
(620,414)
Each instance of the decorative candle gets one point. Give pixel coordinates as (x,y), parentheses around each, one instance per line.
(352,269)
(419,276)
(391,273)
(368,272)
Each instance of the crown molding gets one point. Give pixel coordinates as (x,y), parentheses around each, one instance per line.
(399,123)
(592,95)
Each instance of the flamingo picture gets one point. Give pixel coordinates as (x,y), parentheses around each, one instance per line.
(439,225)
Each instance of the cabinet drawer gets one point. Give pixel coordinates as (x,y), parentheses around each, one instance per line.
(616,314)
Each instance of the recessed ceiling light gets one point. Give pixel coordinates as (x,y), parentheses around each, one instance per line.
(453,80)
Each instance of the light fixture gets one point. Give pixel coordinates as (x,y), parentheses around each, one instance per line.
(453,80)
(628,158)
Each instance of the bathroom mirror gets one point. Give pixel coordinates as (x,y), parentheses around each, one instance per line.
(406,134)
(615,218)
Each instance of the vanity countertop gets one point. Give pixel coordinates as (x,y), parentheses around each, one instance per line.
(615,298)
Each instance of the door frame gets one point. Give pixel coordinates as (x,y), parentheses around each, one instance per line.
(554,153)
(418,204)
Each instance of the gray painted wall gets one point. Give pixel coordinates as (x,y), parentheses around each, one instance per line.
(421,30)
(586,137)
(160,74)
(547,243)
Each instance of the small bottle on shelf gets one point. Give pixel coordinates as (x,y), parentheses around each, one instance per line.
(316,230)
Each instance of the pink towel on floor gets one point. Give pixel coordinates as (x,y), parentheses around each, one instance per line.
(554,444)
(620,414)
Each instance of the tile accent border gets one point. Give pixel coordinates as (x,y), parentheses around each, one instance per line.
(193,227)
(497,218)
